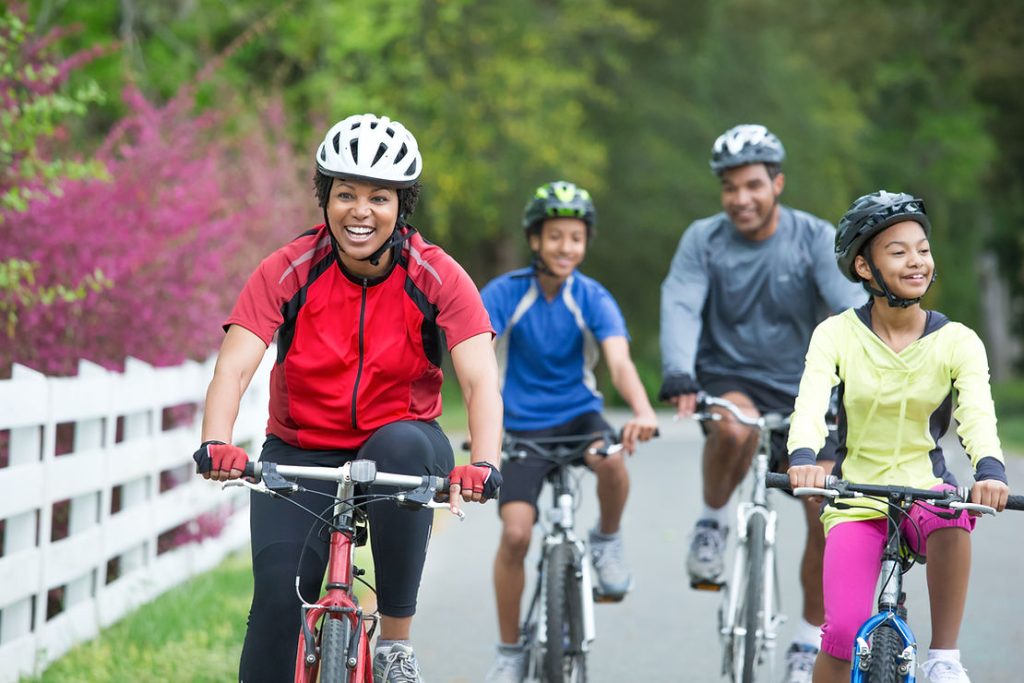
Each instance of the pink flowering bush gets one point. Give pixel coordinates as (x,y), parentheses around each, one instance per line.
(183,213)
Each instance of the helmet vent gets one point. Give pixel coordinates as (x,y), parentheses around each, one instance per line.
(381,151)
(401,153)
(413,170)
(337,144)
(354,146)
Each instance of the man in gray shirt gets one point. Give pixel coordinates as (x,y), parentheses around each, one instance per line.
(744,292)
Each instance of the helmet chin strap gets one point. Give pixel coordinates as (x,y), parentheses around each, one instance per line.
(394,240)
(893,300)
(539,266)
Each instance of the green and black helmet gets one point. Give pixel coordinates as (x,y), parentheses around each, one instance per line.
(870,215)
(559,199)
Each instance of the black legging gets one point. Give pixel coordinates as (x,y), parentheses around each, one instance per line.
(398,541)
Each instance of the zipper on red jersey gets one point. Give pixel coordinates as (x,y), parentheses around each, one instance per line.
(359,370)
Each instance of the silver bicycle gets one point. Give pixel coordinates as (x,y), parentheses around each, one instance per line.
(748,615)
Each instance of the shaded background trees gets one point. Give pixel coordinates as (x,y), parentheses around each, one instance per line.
(622,97)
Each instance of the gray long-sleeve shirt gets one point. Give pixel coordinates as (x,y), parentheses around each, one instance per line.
(742,308)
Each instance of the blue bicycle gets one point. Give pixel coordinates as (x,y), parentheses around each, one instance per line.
(885,650)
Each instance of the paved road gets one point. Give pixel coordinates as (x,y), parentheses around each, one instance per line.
(664,632)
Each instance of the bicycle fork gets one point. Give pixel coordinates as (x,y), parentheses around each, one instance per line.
(889,615)
(770,621)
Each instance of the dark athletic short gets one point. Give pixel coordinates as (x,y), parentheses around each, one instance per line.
(523,479)
(766,400)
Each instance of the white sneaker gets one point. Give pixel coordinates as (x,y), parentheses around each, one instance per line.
(396,664)
(508,667)
(706,560)
(944,671)
(800,663)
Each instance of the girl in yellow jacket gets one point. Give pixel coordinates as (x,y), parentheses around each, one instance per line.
(897,365)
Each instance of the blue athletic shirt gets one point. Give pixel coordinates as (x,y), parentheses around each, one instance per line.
(547,350)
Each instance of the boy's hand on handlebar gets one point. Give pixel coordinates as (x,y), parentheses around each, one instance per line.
(990,492)
(640,428)
(477,483)
(220,461)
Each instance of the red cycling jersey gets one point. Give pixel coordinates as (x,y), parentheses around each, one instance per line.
(354,354)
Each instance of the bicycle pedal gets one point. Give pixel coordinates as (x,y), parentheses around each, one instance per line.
(706,585)
(603,597)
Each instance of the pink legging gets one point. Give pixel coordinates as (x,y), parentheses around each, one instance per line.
(853,555)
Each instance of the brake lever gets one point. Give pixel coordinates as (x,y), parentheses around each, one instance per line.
(258,488)
(973,507)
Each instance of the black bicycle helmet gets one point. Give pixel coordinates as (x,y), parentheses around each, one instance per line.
(559,199)
(870,215)
(866,217)
(746,144)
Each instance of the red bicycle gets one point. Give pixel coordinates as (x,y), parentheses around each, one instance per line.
(335,638)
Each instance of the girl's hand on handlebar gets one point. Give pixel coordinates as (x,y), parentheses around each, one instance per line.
(640,428)
(811,476)
(991,492)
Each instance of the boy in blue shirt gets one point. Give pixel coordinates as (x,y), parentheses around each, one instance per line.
(552,323)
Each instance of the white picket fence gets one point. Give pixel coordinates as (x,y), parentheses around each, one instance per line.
(114,488)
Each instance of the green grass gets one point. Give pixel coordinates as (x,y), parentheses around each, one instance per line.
(192,633)
(1009,399)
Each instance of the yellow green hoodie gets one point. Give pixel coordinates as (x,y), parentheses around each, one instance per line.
(894,407)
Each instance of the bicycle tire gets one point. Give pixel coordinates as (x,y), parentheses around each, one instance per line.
(564,658)
(885,648)
(334,638)
(753,600)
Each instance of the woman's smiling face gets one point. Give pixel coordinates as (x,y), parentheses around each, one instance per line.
(362,216)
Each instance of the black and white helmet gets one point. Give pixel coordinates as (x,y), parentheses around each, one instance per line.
(368,147)
(746,144)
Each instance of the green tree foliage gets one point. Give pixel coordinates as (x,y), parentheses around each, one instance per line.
(625,98)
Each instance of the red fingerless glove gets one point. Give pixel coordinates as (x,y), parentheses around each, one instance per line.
(217,455)
(480,477)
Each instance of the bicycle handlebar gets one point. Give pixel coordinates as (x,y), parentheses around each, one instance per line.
(838,488)
(768,421)
(419,490)
(559,448)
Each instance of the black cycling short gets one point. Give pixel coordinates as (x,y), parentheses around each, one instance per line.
(398,540)
(766,400)
(522,479)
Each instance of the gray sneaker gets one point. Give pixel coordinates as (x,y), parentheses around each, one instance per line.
(396,664)
(509,666)
(800,663)
(613,578)
(705,561)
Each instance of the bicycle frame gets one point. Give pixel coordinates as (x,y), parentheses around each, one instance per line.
(890,606)
(891,611)
(561,517)
(339,601)
(758,504)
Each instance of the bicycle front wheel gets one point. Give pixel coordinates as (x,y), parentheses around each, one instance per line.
(334,639)
(883,661)
(564,658)
(753,599)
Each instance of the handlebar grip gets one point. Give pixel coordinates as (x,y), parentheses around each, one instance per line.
(249,470)
(1015,503)
(774,480)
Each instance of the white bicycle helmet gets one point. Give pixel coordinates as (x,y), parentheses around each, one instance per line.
(368,147)
(746,144)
